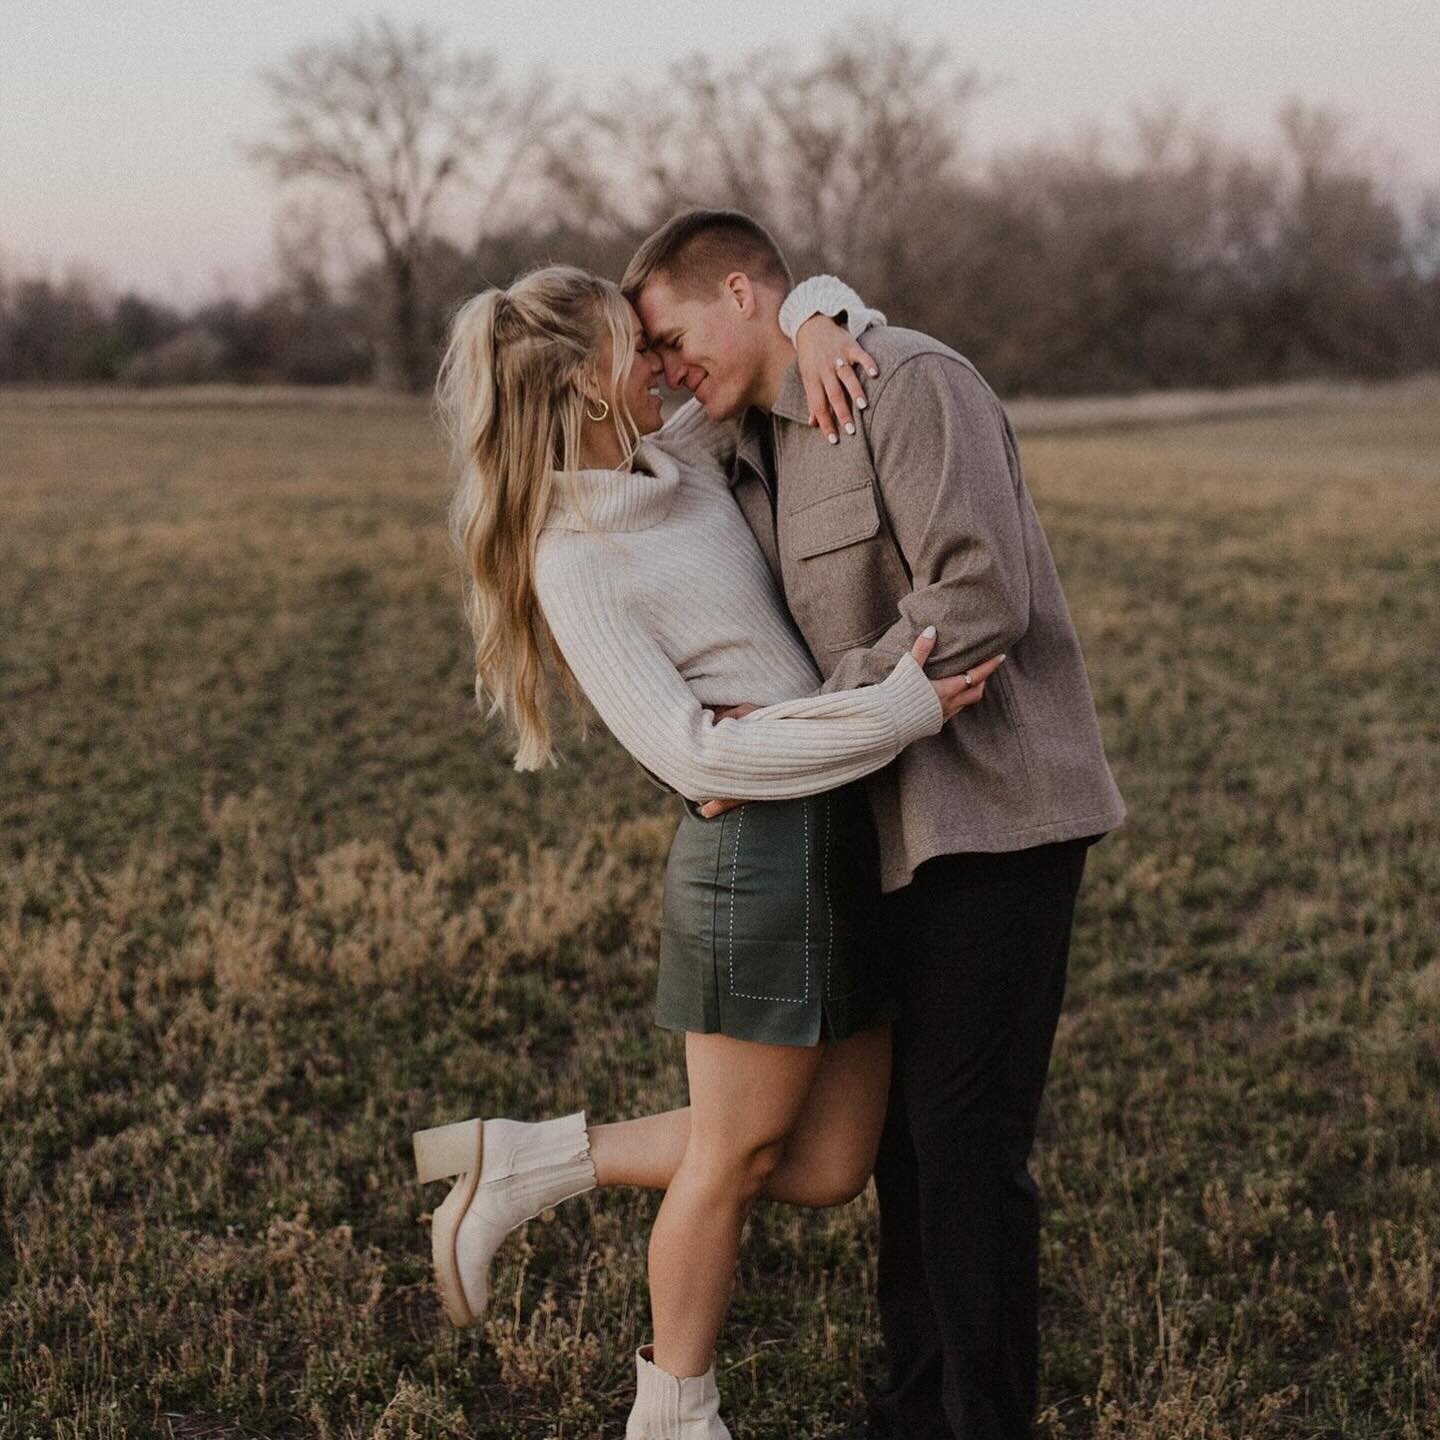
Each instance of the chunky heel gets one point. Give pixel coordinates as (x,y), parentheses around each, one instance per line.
(440,1152)
(447,1150)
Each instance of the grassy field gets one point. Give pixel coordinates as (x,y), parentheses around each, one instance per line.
(271,898)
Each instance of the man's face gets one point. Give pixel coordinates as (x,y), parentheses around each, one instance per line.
(706,344)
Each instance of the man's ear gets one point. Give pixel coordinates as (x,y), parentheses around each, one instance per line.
(741,293)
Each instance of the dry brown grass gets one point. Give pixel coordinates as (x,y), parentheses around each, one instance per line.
(273,898)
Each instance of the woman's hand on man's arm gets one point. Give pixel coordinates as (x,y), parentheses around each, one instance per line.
(829,360)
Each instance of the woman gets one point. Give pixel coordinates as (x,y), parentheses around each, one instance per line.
(623,560)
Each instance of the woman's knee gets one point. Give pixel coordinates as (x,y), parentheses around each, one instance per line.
(762,1163)
(740,1167)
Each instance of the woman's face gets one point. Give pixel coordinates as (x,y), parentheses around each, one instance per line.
(640,385)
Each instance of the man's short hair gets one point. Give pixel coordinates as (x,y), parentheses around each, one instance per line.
(695,250)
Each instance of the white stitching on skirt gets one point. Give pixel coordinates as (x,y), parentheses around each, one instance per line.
(805,821)
(829,912)
(734,866)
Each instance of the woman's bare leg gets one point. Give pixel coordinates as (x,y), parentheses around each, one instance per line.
(827,1157)
(745,1099)
(644,1152)
(831,1151)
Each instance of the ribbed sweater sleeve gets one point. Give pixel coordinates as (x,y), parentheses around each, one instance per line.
(788,749)
(827,295)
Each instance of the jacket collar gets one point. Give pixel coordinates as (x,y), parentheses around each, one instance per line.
(790,404)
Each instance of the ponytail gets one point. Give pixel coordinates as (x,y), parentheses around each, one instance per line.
(509,395)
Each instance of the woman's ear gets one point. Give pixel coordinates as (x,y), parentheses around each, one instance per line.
(588,384)
(595,403)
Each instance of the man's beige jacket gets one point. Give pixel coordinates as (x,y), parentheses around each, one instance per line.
(923,518)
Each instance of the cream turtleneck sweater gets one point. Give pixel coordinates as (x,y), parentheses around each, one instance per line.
(662,605)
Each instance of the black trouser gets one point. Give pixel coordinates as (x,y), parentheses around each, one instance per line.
(980,944)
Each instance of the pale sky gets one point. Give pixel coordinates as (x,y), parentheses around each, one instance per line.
(121,120)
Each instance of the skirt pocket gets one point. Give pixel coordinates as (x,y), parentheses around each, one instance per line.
(767,926)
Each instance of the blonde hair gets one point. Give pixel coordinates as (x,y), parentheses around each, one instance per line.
(510,396)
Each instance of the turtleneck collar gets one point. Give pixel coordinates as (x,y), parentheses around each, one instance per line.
(633,499)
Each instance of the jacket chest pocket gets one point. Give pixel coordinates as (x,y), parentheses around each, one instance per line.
(843,577)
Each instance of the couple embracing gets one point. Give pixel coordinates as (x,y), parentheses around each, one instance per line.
(818,605)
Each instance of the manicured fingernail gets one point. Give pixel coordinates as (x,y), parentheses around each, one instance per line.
(833,439)
(1001,660)
(849,427)
(928,632)
(872,372)
(861,403)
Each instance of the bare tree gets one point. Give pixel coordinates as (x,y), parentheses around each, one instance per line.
(835,155)
(396,122)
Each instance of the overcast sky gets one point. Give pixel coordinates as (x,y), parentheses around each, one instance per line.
(121,120)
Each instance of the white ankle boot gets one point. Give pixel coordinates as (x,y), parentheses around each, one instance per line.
(509,1172)
(667,1408)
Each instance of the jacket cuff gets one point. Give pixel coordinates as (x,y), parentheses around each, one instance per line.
(912,701)
(826,295)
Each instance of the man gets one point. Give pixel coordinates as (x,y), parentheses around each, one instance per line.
(923,518)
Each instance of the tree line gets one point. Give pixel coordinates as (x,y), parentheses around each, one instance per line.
(1164,257)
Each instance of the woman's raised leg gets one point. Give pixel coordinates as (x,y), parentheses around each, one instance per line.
(824,1159)
(827,1156)
(830,1153)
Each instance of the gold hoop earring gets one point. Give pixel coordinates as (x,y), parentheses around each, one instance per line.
(604,411)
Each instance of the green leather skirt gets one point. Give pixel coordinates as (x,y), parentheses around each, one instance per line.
(769,923)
